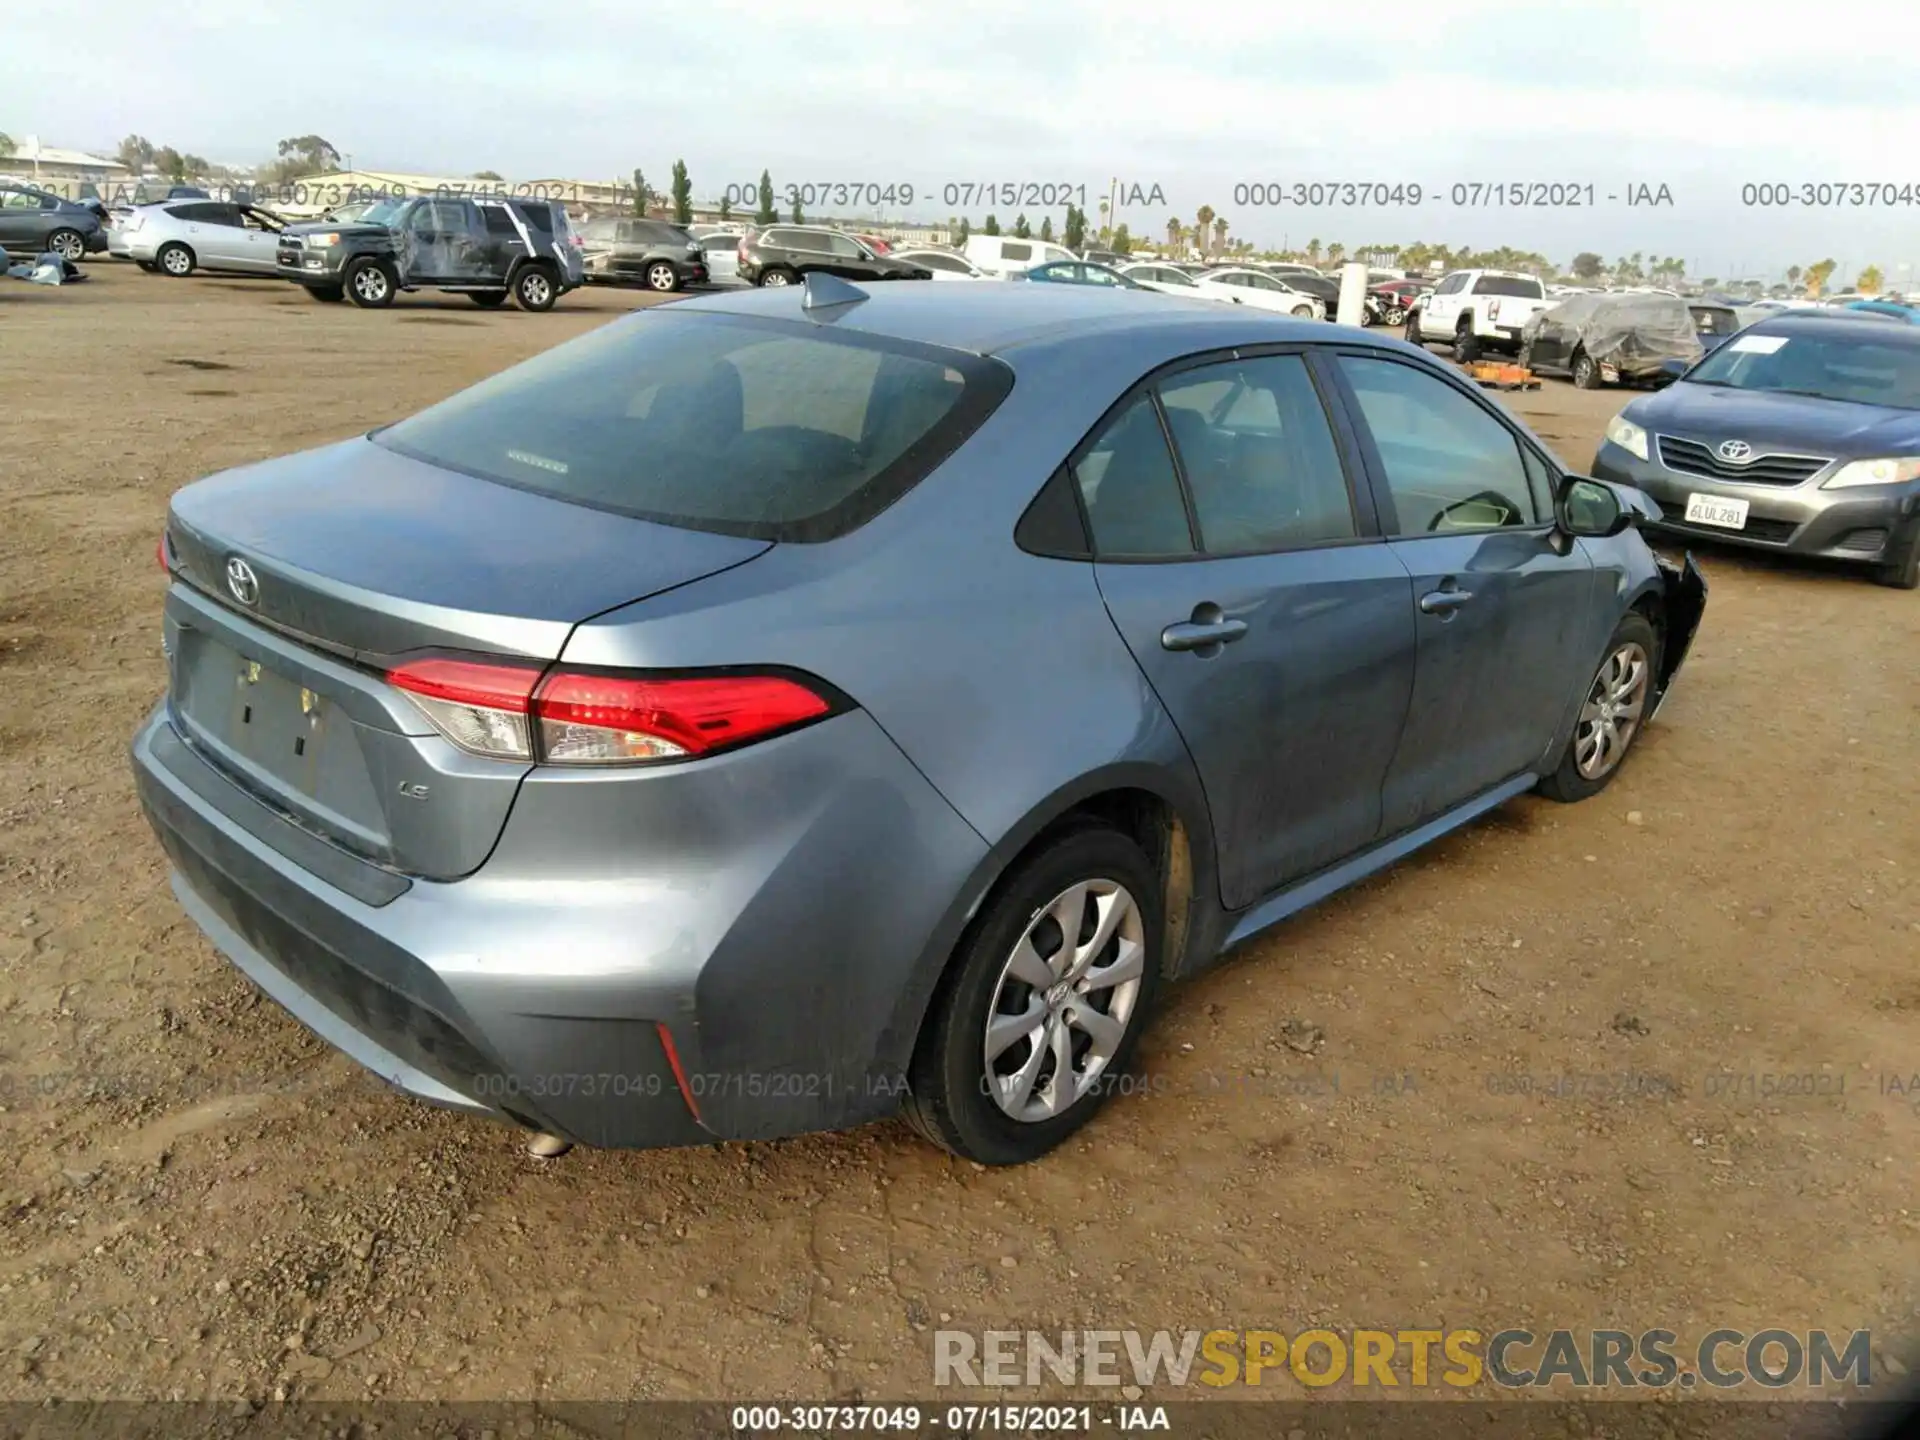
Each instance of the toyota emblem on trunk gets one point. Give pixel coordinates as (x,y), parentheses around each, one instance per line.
(1735,450)
(242,582)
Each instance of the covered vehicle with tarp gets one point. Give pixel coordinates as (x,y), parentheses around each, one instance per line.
(1604,339)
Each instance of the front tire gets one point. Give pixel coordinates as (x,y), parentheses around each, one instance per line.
(1044,1003)
(1902,570)
(174,259)
(67,244)
(534,288)
(1303,312)
(370,283)
(1617,702)
(328,294)
(662,277)
(1413,328)
(1586,374)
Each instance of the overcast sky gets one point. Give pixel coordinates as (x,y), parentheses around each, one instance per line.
(1193,98)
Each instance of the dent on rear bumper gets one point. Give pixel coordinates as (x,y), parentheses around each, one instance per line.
(768,907)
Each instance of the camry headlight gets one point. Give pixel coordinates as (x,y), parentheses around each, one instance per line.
(1892,471)
(1627,435)
(329,237)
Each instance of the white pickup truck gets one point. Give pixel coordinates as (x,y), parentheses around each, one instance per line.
(1475,310)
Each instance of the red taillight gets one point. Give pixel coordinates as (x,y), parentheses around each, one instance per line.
(479,707)
(586,718)
(161,552)
(613,719)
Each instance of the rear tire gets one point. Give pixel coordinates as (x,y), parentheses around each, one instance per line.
(370,283)
(1619,692)
(994,1110)
(662,277)
(534,288)
(174,259)
(777,275)
(1586,374)
(1413,328)
(1466,345)
(67,244)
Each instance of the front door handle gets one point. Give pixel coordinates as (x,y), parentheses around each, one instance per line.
(1444,602)
(1207,631)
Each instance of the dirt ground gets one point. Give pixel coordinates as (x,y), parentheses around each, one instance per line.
(199,1200)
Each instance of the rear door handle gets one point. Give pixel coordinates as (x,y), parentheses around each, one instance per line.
(1444,602)
(1201,635)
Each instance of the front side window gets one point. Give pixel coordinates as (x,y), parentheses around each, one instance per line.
(1131,490)
(1450,466)
(1259,456)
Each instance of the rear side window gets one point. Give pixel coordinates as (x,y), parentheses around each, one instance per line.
(498,221)
(1014,250)
(1259,456)
(1130,489)
(774,429)
(538,216)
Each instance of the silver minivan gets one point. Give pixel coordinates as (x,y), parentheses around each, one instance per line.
(181,236)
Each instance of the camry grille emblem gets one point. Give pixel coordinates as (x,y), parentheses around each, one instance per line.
(242,583)
(1735,450)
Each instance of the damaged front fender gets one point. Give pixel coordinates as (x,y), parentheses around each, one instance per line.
(1685,590)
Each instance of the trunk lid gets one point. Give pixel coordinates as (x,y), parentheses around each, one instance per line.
(305,577)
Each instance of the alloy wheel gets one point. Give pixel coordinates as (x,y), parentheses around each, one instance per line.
(775,277)
(68,246)
(534,289)
(370,283)
(661,277)
(1064,1000)
(176,261)
(1612,712)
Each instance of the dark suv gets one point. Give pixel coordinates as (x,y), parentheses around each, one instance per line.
(622,250)
(781,254)
(483,247)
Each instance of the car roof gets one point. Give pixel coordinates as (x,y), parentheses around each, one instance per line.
(995,317)
(1840,322)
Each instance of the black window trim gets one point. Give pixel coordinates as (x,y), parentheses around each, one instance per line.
(1388,513)
(1366,518)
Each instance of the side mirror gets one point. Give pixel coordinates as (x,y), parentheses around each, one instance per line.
(1593,509)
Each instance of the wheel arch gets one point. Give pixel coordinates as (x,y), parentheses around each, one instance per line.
(1163,813)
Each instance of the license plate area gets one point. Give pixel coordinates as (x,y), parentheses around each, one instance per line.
(1721,511)
(288,744)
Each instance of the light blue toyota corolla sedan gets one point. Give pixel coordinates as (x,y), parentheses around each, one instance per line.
(770,712)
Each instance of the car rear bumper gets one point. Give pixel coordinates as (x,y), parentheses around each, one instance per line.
(765,919)
(1864,526)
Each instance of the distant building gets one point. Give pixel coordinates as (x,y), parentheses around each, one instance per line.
(62,171)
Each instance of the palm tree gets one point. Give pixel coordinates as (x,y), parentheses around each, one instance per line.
(1174,231)
(1335,253)
(1219,232)
(1103,221)
(1205,219)
(1793,275)
(1313,252)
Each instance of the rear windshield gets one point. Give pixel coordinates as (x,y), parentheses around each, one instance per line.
(779,430)
(1518,285)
